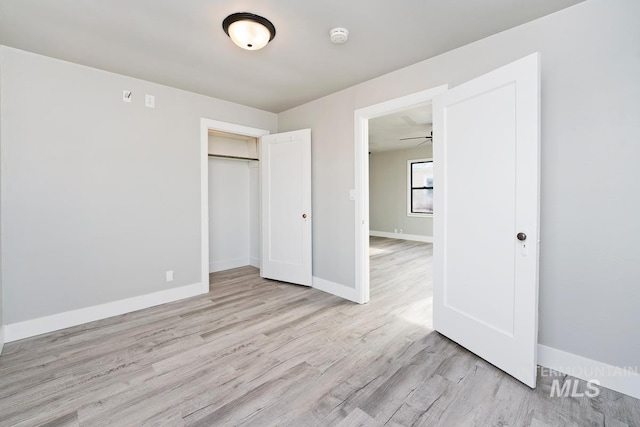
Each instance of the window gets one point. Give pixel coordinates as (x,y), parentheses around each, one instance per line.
(420,185)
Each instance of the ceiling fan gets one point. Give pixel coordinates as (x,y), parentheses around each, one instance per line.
(426,138)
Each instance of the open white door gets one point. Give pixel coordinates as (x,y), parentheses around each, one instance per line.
(486,219)
(285,163)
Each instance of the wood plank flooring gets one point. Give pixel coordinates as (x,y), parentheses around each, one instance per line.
(255,352)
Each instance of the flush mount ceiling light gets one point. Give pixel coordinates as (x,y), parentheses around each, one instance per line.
(249,31)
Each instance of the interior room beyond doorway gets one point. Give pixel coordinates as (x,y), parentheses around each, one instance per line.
(401,175)
(400,217)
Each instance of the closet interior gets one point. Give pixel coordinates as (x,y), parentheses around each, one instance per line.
(234,201)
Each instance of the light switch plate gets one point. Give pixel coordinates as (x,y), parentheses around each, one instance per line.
(150,101)
(127,96)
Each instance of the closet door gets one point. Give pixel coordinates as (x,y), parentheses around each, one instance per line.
(285,163)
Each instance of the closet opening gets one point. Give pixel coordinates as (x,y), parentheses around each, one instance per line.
(234,202)
(230,197)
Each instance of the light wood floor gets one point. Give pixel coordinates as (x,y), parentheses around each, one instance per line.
(257,352)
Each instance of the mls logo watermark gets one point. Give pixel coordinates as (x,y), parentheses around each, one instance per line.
(566,382)
(569,388)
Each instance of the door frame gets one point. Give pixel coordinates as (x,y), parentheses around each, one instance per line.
(361,156)
(205,126)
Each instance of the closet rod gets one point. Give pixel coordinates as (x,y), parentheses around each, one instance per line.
(233,157)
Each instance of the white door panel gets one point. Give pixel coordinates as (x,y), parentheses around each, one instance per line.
(286,207)
(486,144)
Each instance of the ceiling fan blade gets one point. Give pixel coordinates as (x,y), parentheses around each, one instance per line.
(417,137)
(430,136)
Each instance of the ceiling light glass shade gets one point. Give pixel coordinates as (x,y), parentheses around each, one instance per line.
(249,31)
(249,35)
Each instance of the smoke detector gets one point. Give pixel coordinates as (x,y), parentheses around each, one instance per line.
(339,35)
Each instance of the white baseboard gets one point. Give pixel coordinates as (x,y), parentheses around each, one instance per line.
(1,338)
(335,288)
(402,236)
(228,264)
(254,262)
(67,319)
(621,379)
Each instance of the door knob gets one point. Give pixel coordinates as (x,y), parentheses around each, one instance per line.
(304,216)
(521,236)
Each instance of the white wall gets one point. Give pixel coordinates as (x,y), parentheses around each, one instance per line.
(589,261)
(388,192)
(99,197)
(229,214)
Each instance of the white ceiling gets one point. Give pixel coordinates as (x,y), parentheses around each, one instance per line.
(385,132)
(182,44)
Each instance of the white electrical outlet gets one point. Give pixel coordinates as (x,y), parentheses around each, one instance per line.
(127,95)
(169,275)
(150,101)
